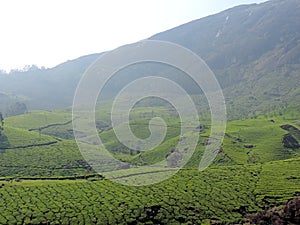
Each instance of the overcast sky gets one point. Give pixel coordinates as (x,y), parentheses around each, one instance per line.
(50,32)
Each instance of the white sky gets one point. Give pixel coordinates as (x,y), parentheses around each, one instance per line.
(49,32)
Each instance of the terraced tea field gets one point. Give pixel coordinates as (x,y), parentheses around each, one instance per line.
(45,180)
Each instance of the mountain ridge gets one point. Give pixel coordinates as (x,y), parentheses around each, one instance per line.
(254,50)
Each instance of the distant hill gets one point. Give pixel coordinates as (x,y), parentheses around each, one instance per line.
(254,51)
(46,88)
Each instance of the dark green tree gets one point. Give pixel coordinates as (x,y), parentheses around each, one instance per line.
(18,108)
(1,122)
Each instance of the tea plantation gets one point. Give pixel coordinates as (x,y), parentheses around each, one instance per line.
(45,180)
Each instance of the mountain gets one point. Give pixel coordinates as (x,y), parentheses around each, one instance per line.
(46,88)
(244,34)
(254,50)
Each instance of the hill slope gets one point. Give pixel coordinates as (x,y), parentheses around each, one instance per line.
(253,49)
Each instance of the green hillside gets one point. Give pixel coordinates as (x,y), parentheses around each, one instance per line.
(248,141)
(254,50)
(257,168)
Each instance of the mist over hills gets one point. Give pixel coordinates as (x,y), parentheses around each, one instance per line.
(45,88)
(254,50)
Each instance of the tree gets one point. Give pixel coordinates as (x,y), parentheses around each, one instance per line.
(16,109)
(1,122)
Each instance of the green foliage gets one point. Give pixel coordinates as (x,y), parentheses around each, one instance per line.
(246,141)
(17,108)
(37,119)
(20,138)
(32,154)
(1,123)
(278,182)
(250,173)
(258,140)
(256,168)
(224,194)
(59,159)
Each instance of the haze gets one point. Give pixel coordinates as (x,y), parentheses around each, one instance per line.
(46,33)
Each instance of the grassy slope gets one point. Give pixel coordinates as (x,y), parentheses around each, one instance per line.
(60,159)
(16,137)
(222,193)
(22,155)
(246,141)
(263,136)
(36,119)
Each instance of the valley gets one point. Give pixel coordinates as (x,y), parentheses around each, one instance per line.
(253,50)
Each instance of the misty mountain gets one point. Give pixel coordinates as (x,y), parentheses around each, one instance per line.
(254,50)
(45,88)
(242,35)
